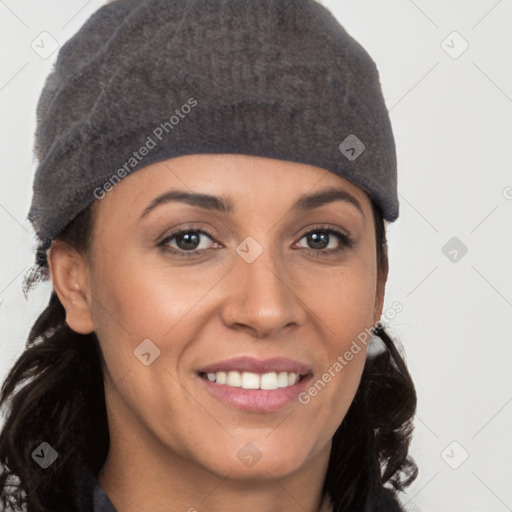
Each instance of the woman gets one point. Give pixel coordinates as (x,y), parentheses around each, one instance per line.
(213,184)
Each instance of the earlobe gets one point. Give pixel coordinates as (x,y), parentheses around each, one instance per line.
(69,276)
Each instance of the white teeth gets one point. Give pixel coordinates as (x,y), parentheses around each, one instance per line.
(282,379)
(292,379)
(234,379)
(250,380)
(269,381)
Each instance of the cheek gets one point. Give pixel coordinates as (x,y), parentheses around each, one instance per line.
(134,302)
(344,301)
(344,306)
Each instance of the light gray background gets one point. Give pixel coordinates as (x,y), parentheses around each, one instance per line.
(452,119)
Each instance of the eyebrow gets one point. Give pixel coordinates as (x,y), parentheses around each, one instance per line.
(224,205)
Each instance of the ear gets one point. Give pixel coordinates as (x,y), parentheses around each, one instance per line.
(379,296)
(70,280)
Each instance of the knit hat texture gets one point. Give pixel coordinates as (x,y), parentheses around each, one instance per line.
(147,80)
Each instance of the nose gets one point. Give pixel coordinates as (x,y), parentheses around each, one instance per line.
(263,296)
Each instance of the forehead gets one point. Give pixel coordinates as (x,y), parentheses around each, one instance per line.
(242,180)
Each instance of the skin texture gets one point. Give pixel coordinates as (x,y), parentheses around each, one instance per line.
(174,445)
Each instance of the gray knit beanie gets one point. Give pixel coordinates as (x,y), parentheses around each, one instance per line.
(147,80)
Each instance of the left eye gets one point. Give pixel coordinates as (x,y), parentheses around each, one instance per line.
(320,237)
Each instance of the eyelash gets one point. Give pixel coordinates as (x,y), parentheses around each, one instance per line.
(346,241)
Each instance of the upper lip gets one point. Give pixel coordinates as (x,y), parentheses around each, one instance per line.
(251,364)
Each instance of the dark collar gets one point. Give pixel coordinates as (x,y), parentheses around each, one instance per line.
(100,499)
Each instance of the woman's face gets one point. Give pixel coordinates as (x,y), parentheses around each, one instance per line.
(255,284)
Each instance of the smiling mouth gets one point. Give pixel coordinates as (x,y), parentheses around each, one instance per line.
(248,380)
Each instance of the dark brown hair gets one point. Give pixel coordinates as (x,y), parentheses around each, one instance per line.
(54,393)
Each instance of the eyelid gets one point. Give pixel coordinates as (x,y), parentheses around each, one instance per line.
(184,229)
(325,227)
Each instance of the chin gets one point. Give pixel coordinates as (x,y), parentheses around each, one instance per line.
(260,460)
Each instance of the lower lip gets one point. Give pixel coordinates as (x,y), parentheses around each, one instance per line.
(257,400)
